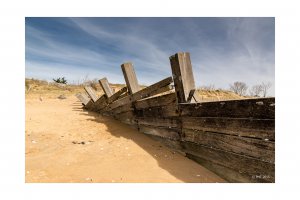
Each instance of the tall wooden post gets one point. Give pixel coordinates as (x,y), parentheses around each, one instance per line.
(183,77)
(106,87)
(130,78)
(91,93)
(83,98)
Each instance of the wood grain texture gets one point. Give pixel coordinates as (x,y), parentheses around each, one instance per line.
(117,95)
(121,109)
(89,105)
(91,92)
(130,78)
(159,111)
(261,108)
(126,117)
(100,103)
(156,101)
(230,175)
(241,166)
(146,92)
(106,87)
(120,102)
(183,75)
(159,122)
(153,89)
(255,148)
(83,98)
(170,133)
(246,127)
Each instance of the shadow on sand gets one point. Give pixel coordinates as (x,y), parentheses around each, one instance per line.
(175,167)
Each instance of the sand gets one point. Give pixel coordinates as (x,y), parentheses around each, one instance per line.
(67,144)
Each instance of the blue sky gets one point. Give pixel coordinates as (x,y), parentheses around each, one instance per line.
(223,50)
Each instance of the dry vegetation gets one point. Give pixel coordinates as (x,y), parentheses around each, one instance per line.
(218,95)
(40,88)
(37,88)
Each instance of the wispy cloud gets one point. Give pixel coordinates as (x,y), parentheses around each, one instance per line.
(223,50)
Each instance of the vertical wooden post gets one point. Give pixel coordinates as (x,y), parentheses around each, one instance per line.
(130,78)
(183,77)
(106,87)
(91,93)
(83,98)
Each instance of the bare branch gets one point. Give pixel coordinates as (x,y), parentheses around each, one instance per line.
(265,88)
(239,88)
(256,90)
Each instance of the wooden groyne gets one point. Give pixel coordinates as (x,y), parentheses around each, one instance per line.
(234,138)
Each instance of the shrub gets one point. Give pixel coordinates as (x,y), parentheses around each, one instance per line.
(60,80)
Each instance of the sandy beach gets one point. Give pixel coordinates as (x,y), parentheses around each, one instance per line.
(65,143)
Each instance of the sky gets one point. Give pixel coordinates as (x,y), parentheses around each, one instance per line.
(223,50)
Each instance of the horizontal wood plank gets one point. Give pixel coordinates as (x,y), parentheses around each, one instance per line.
(126,117)
(100,103)
(152,89)
(156,101)
(119,102)
(159,111)
(261,108)
(89,105)
(229,174)
(256,148)
(170,133)
(256,128)
(159,122)
(121,109)
(249,168)
(116,95)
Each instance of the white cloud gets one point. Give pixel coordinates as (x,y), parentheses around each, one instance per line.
(246,54)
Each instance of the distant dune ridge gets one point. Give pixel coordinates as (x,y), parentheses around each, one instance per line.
(37,88)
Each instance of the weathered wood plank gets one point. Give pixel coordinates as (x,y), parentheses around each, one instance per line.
(100,103)
(130,78)
(89,105)
(153,89)
(261,108)
(159,111)
(117,95)
(183,76)
(170,133)
(91,92)
(256,148)
(230,175)
(106,87)
(156,101)
(246,127)
(168,89)
(83,98)
(126,117)
(121,109)
(123,95)
(243,166)
(146,92)
(170,110)
(120,102)
(159,122)
(190,97)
